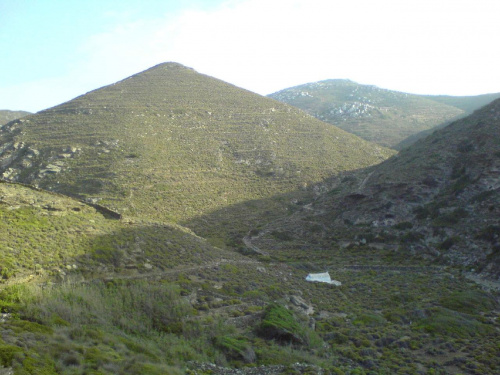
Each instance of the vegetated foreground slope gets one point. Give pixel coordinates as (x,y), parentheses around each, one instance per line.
(382,116)
(170,143)
(83,293)
(6,115)
(44,234)
(438,199)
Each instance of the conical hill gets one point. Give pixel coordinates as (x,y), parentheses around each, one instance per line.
(170,143)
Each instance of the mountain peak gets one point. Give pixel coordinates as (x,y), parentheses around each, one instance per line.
(172,135)
(169,65)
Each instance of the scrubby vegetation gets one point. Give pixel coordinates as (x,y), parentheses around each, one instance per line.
(151,299)
(6,116)
(384,321)
(389,118)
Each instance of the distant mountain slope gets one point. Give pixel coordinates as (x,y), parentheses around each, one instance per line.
(170,143)
(439,198)
(382,116)
(467,103)
(6,115)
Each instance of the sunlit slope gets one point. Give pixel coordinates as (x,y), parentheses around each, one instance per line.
(170,143)
(43,235)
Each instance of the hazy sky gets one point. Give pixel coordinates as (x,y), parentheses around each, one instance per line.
(54,50)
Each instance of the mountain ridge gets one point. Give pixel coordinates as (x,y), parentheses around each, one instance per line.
(8,115)
(383,116)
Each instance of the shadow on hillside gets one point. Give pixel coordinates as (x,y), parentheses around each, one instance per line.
(228,226)
(146,249)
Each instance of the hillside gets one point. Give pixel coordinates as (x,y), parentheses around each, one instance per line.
(63,237)
(378,115)
(7,116)
(172,144)
(437,199)
(85,293)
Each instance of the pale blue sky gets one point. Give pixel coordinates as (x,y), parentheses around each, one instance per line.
(55,50)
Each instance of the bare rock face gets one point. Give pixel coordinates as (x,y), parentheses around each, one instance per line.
(21,161)
(301,306)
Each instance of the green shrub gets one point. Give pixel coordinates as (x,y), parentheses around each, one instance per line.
(280,324)
(491,233)
(451,323)
(449,242)
(403,225)
(282,236)
(27,326)
(369,320)
(451,218)
(412,237)
(7,353)
(236,348)
(469,301)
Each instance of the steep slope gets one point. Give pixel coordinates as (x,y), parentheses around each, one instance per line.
(382,116)
(437,199)
(7,116)
(170,143)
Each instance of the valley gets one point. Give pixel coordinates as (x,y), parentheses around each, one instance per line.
(165,224)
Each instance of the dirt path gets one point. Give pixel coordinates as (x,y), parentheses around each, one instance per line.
(169,272)
(248,243)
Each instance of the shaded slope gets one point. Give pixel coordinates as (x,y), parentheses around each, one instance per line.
(437,199)
(170,143)
(382,116)
(466,103)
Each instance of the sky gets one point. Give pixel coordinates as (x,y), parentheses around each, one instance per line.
(55,50)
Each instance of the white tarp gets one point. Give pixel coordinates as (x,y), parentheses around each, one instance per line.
(322,278)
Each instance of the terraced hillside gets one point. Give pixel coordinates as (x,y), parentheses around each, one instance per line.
(438,199)
(378,115)
(7,116)
(170,143)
